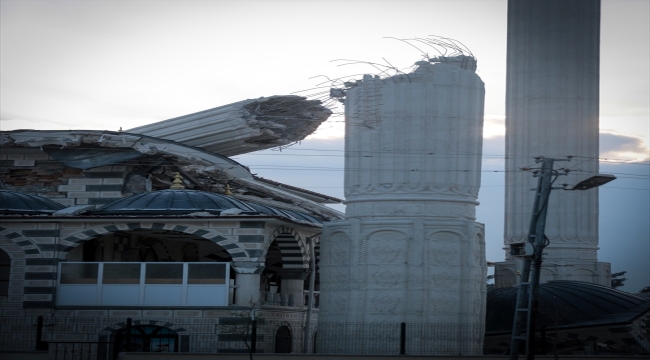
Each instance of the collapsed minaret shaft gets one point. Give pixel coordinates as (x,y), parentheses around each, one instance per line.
(244,126)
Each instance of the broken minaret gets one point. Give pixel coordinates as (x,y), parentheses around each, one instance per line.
(244,126)
(552,100)
(409,249)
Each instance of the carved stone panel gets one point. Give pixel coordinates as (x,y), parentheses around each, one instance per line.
(339,248)
(386,247)
(445,277)
(444,304)
(386,276)
(445,249)
(385,302)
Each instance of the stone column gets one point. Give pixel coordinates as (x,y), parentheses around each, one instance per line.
(247,292)
(292,285)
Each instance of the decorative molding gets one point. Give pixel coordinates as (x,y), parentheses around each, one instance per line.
(27,245)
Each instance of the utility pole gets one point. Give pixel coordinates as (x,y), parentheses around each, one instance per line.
(310,298)
(523,327)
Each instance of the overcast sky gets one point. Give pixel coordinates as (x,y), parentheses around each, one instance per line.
(111,64)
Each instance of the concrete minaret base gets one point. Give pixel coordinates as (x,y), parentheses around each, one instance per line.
(428,274)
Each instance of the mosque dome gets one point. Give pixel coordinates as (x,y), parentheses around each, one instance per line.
(566,303)
(181,201)
(18,203)
(174,202)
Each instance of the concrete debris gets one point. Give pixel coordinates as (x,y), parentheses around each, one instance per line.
(232,211)
(73,210)
(153,169)
(337,93)
(200,214)
(109,139)
(466,62)
(244,126)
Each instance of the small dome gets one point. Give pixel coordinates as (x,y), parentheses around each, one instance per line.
(17,203)
(566,303)
(173,202)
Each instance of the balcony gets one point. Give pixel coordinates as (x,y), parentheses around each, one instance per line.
(142,284)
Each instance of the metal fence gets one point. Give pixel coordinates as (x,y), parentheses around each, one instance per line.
(102,338)
(399,339)
(18,334)
(77,350)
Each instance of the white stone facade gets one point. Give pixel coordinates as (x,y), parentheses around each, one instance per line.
(410,249)
(552,110)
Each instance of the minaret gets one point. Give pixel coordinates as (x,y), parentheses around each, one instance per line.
(409,250)
(552,99)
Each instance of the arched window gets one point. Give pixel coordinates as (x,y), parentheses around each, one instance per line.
(5,270)
(146,338)
(283,339)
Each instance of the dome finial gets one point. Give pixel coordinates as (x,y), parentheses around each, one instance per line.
(177,182)
(227,190)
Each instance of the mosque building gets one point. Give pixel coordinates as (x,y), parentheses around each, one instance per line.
(104,234)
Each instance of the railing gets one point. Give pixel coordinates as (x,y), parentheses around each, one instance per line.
(384,338)
(290,299)
(316,298)
(88,337)
(207,335)
(18,334)
(65,350)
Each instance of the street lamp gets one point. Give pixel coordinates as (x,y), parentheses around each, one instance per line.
(592,182)
(523,327)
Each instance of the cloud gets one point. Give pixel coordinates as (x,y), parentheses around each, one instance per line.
(494,126)
(623,147)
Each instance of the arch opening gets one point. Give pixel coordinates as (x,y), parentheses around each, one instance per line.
(145,267)
(283,340)
(286,268)
(144,338)
(149,245)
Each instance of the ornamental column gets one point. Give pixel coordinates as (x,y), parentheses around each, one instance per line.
(247,282)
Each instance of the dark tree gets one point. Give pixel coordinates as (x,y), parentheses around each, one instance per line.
(618,280)
(490,282)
